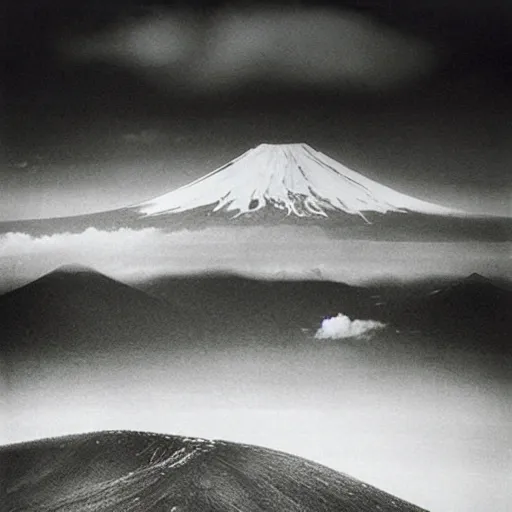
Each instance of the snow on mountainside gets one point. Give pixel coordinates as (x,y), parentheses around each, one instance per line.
(293,178)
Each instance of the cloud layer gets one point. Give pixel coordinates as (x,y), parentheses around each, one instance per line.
(318,46)
(341,326)
(130,254)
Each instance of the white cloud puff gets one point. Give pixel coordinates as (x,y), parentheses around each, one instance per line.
(341,326)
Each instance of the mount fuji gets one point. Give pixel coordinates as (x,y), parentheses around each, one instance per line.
(292,178)
(287,184)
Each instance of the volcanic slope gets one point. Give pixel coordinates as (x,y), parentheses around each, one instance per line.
(143,472)
(77,310)
(293,178)
(293,184)
(290,184)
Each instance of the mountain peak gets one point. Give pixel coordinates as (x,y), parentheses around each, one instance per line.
(292,178)
(286,145)
(476,278)
(70,278)
(74,268)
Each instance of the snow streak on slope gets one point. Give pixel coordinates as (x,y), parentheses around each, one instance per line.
(294,178)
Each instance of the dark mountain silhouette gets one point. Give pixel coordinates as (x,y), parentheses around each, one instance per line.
(76,310)
(472,310)
(143,472)
(227,303)
(472,301)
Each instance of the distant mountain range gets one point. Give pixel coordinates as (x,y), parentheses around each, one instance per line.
(245,304)
(145,472)
(287,184)
(75,310)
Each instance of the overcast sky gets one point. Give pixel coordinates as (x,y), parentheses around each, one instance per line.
(104,106)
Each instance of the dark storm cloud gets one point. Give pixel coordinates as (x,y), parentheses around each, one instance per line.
(474,37)
(237,47)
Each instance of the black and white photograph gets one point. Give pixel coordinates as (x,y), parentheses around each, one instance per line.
(255,256)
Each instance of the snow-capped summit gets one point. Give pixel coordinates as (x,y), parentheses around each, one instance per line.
(293,178)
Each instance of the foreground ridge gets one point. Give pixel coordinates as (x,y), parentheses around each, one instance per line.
(144,472)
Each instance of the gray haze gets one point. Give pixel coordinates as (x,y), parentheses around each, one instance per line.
(434,434)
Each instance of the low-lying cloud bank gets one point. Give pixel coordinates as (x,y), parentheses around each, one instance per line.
(136,254)
(341,327)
